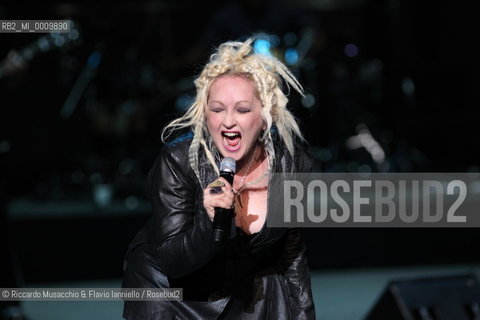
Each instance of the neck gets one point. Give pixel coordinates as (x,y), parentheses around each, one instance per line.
(250,161)
(254,169)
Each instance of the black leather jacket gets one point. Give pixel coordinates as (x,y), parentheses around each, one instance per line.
(259,276)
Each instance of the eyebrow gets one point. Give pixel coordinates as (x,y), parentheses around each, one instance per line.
(238,102)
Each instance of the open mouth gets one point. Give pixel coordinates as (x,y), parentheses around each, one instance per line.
(231,140)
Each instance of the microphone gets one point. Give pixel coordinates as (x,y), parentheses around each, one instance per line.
(223,220)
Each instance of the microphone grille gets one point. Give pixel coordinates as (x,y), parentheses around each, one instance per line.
(228,164)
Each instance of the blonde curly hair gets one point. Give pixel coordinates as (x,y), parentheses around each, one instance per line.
(239,58)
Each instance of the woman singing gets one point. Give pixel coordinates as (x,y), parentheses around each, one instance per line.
(258,272)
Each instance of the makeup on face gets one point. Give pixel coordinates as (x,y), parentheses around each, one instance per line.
(234,118)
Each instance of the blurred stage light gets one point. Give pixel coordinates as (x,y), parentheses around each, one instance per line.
(73,34)
(125,166)
(408,87)
(43,44)
(94,59)
(324,155)
(59,41)
(351,50)
(291,56)
(365,139)
(183,102)
(308,101)
(103,194)
(262,46)
(5,146)
(131,202)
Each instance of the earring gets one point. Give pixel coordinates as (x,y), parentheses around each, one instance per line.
(261,136)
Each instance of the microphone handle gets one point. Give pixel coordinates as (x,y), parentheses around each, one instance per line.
(223,220)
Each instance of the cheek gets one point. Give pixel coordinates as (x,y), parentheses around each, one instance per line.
(212,121)
(255,125)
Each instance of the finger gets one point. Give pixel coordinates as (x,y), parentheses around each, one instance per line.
(227,184)
(219,190)
(222,200)
(215,190)
(222,203)
(216,183)
(209,192)
(223,193)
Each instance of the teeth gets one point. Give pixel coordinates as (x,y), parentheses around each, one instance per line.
(231,134)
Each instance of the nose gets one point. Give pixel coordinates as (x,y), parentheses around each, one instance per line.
(229,121)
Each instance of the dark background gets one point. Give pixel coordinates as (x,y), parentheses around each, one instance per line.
(73,185)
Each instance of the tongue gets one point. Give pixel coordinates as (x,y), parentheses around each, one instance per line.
(233,141)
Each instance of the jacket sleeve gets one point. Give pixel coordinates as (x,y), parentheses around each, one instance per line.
(297,277)
(180,234)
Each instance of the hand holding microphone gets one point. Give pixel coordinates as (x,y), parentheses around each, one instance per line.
(218,201)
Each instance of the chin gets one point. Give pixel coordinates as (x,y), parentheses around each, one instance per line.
(237,156)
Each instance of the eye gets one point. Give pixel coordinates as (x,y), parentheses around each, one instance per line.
(244,110)
(216,109)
